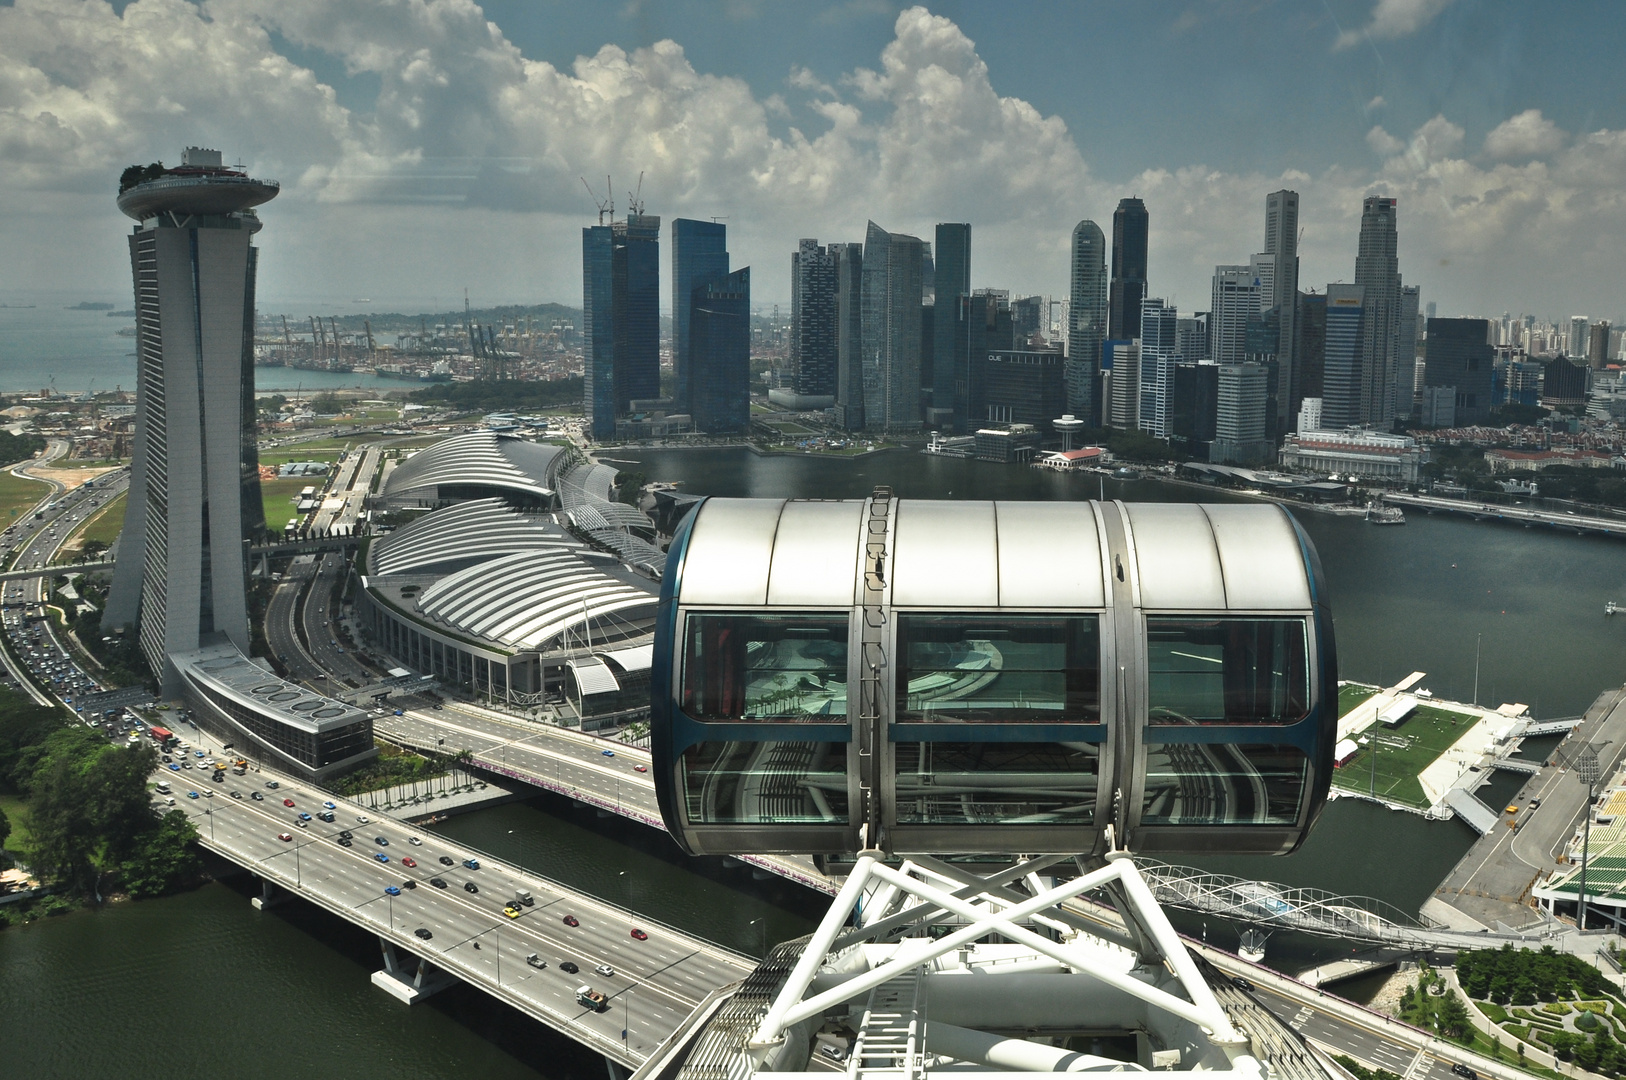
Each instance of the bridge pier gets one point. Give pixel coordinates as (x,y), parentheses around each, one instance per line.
(409,987)
(616,1070)
(270,897)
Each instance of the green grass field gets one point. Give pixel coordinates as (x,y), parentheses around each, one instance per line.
(1351,695)
(105,526)
(1389,764)
(278,498)
(20,842)
(17,495)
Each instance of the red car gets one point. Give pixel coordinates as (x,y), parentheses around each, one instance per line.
(639,934)
(407,860)
(287,802)
(640,768)
(570,920)
(284,837)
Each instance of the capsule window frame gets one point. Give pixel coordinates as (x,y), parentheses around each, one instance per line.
(789,721)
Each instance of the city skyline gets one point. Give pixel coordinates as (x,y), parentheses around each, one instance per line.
(462,131)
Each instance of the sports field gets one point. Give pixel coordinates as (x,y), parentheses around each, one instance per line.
(1351,695)
(278,497)
(1388,765)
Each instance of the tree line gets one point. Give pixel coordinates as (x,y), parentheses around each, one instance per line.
(92,826)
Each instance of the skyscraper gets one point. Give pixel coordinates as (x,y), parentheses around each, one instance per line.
(949,377)
(1460,360)
(891,328)
(1343,353)
(194,476)
(720,354)
(1282,246)
(699,255)
(1130,228)
(849,336)
(1576,345)
(621,284)
(1310,350)
(1159,352)
(1597,345)
(1239,423)
(1377,272)
(813,319)
(1234,300)
(1086,319)
(1408,333)
(1120,399)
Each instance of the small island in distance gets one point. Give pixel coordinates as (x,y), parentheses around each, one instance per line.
(90,305)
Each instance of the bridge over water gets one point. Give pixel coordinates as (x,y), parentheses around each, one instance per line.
(657,983)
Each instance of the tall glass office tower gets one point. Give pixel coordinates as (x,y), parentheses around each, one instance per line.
(892,273)
(813,318)
(194,477)
(720,354)
(1282,247)
(699,255)
(1086,320)
(950,377)
(1343,354)
(621,284)
(1130,229)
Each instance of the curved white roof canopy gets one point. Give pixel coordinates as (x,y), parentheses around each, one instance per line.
(482,529)
(475,459)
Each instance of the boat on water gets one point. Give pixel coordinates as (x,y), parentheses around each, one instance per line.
(1378,514)
(1611,608)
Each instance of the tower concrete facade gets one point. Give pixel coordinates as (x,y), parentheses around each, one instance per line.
(194,500)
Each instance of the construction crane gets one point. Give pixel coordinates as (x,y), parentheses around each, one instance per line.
(338,350)
(287,341)
(606,205)
(367,324)
(635,201)
(317,344)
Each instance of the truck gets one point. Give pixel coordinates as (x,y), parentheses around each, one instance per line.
(523,898)
(163,787)
(589,998)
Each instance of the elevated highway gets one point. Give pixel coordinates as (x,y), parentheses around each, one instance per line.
(657,983)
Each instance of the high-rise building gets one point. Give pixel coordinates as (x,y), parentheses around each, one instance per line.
(1027,318)
(1195,404)
(1234,300)
(985,327)
(1408,335)
(1262,345)
(1086,320)
(813,319)
(1597,345)
(1130,229)
(1459,358)
(621,286)
(1282,246)
(720,354)
(1120,379)
(1576,345)
(891,327)
(1377,271)
(699,255)
(1191,338)
(1343,353)
(1021,386)
(849,336)
(1239,423)
(1159,352)
(1310,351)
(194,477)
(950,378)
(181,579)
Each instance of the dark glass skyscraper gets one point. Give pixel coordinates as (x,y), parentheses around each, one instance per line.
(1457,355)
(1086,321)
(950,379)
(621,286)
(813,318)
(720,354)
(891,296)
(1129,234)
(1342,351)
(699,255)
(849,336)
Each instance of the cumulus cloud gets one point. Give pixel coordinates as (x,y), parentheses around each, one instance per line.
(1526,135)
(1393,19)
(1375,104)
(472,150)
(1382,143)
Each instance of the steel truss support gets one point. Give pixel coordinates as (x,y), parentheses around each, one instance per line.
(924,889)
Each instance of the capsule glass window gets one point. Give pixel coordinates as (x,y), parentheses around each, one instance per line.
(738,783)
(996,783)
(783,668)
(1223,784)
(1226,671)
(1022,669)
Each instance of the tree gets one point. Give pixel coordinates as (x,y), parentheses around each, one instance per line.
(5,829)
(328,404)
(163,859)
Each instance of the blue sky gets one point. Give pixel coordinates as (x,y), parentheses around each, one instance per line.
(429,145)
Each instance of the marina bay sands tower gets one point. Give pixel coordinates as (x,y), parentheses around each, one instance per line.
(194,499)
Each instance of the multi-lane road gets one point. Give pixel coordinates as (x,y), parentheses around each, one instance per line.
(655,982)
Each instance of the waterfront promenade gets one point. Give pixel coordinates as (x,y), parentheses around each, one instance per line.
(1490,886)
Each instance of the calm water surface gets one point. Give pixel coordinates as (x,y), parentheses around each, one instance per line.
(191,981)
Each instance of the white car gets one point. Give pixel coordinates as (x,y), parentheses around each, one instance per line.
(604,969)
(361,818)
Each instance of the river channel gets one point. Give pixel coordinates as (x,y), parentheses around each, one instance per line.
(200,984)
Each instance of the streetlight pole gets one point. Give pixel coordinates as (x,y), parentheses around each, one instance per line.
(1588,768)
